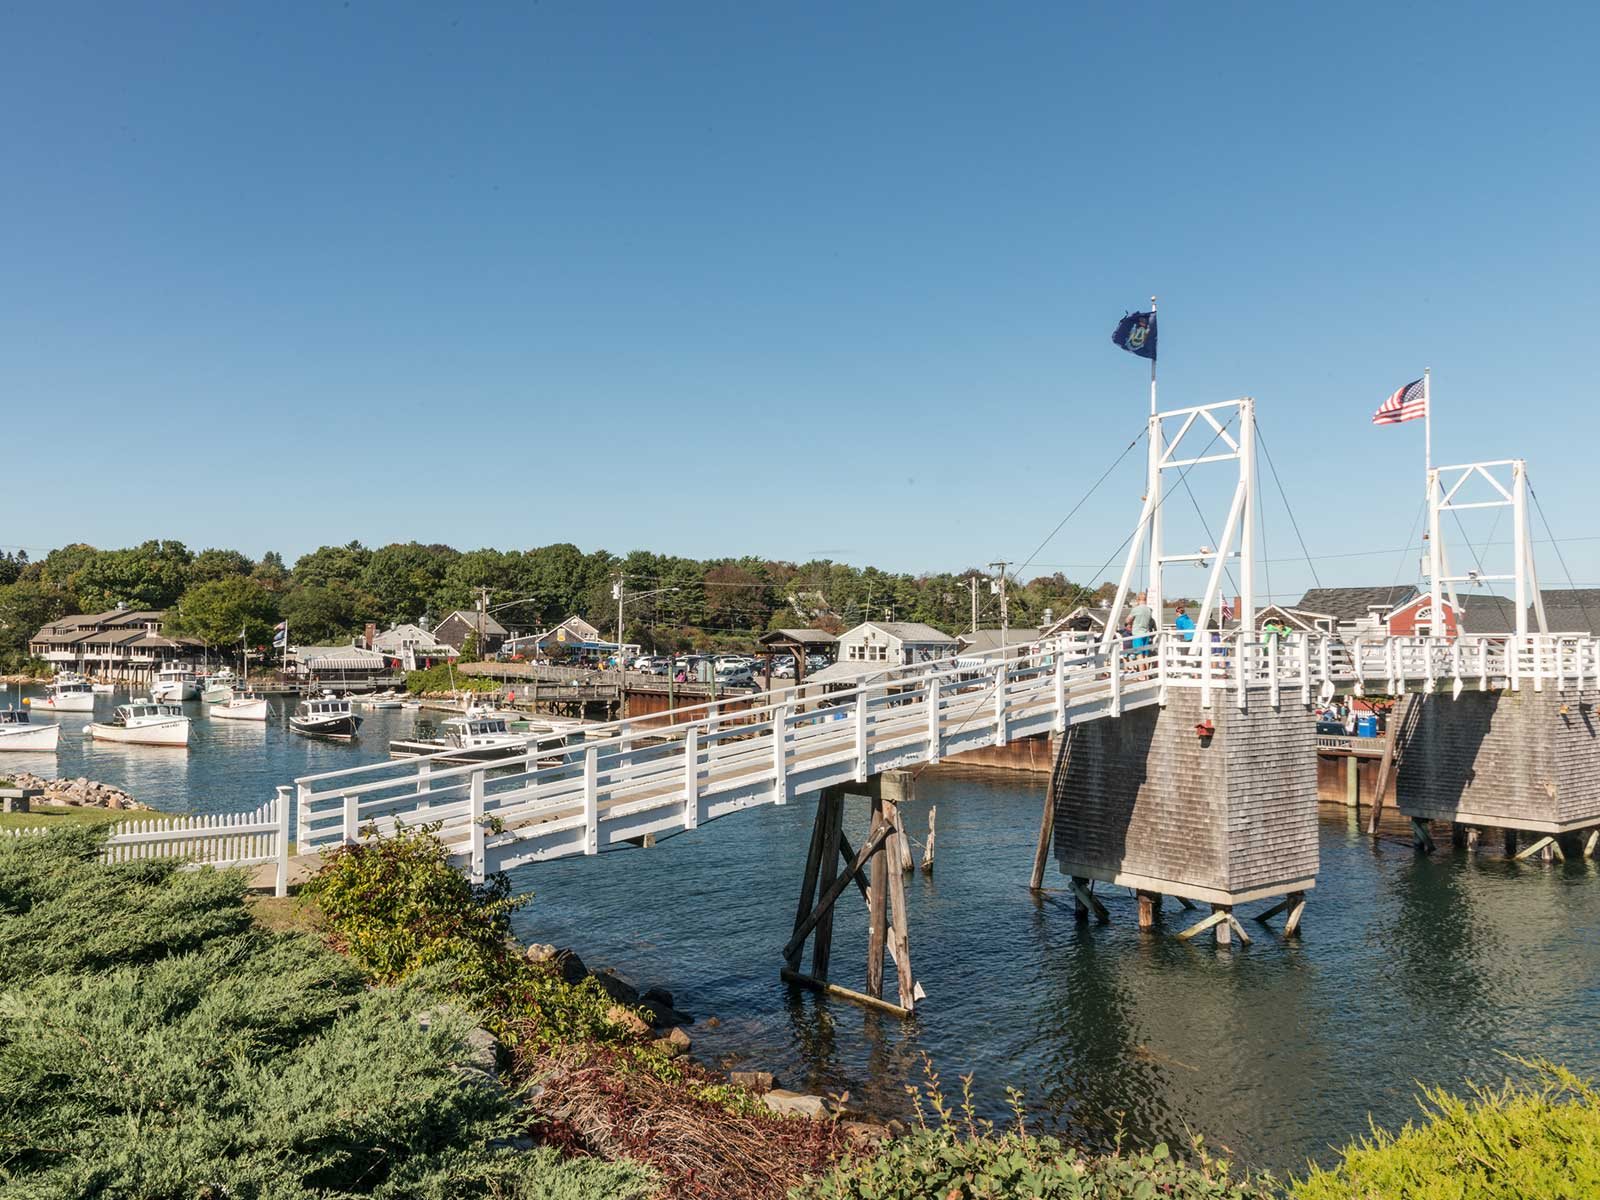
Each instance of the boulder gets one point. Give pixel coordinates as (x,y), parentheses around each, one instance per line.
(658,995)
(865,1134)
(669,1047)
(678,1037)
(662,1017)
(541,952)
(570,966)
(617,988)
(753,1081)
(628,1019)
(795,1104)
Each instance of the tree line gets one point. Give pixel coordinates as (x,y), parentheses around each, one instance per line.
(331,594)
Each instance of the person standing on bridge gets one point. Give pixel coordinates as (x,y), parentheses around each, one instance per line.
(1141,621)
(1184,623)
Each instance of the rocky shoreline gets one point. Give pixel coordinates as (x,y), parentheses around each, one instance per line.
(663,1025)
(81,792)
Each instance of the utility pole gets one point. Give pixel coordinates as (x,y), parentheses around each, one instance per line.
(972,586)
(616,592)
(1005,612)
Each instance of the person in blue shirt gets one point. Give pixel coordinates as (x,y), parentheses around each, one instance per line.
(1184,624)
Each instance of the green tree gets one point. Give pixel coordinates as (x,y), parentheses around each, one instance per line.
(318,614)
(218,610)
(150,575)
(25,607)
(217,564)
(403,578)
(332,564)
(61,566)
(12,566)
(271,571)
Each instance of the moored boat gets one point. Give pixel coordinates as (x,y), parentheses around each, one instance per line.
(326,717)
(217,688)
(240,706)
(65,694)
(18,733)
(103,689)
(466,739)
(143,723)
(175,683)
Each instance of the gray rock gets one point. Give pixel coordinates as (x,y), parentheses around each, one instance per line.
(617,988)
(669,1047)
(617,1014)
(541,952)
(679,1038)
(659,995)
(754,1081)
(663,1017)
(570,966)
(795,1104)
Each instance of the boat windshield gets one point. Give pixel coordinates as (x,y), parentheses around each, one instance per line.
(13,716)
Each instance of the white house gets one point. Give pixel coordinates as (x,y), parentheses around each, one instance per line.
(413,645)
(894,643)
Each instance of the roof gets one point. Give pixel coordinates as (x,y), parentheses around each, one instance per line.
(905,631)
(847,672)
(415,636)
(799,637)
(490,625)
(1354,603)
(339,658)
(983,640)
(130,616)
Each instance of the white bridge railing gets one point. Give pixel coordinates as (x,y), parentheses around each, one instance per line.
(643,778)
(220,840)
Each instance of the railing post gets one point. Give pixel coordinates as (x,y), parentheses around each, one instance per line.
(1513,655)
(1325,656)
(424,774)
(1205,669)
(1114,657)
(280,847)
(303,810)
(1536,650)
(780,754)
(352,819)
(591,800)
(1061,688)
(476,830)
(861,734)
(1272,667)
(1305,669)
(1241,683)
(1000,704)
(691,778)
(934,746)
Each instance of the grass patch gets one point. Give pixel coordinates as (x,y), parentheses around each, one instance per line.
(285,914)
(60,816)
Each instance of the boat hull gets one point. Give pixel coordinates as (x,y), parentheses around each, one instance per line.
(217,695)
(173,732)
(449,753)
(80,702)
(41,738)
(341,728)
(173,690)
(240,710)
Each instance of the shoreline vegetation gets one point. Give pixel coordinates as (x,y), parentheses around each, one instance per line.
(163,1033)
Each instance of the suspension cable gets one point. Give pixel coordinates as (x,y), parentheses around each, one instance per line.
(1289,508)
(1562,559)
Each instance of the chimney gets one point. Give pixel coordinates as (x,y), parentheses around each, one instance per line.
(372,634)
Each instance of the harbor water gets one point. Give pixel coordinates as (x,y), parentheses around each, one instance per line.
(1411,971)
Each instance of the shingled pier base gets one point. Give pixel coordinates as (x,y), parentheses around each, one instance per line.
(1226,814)
(1520,761)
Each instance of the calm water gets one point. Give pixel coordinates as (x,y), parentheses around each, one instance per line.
(1409,971)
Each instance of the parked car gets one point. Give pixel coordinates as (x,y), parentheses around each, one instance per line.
(783,668)
(650,665)
(735,675)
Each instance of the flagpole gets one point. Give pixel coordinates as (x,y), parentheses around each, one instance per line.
(1427,423)
(1152,362)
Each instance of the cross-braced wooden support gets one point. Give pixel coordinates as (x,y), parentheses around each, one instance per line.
(878,872)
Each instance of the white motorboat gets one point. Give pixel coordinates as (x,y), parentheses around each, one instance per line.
(17,733)
(381,700)
(240,706)
(65,694)
(218,687)
(327,717)
(103,689)
(144,723)
(466,739)
(175,683)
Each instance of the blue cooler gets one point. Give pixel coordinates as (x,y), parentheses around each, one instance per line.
(1367,726)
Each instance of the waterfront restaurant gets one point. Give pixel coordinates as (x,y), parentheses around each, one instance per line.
(119,644)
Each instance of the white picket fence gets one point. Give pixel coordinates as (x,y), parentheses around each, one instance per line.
(243,839)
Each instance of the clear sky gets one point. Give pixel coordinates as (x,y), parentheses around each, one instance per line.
(788,280)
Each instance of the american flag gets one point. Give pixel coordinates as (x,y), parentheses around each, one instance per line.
(1407,404)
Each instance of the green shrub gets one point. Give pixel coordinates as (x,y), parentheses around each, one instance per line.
(1523,1140)
(155,1044)
(398,907)
(956,1156)
(444,678)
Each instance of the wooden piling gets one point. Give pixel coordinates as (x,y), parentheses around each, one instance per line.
(808,882)
(1149,905)
(822,943)
(878,901)
(899,933)
(1510,842)
(927,847)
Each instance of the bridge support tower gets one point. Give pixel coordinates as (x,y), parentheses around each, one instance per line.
(1526,762)
(1209,806)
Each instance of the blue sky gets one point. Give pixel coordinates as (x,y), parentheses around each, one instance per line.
(784,280)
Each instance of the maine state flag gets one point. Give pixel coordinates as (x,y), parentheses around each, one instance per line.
(1136,333)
